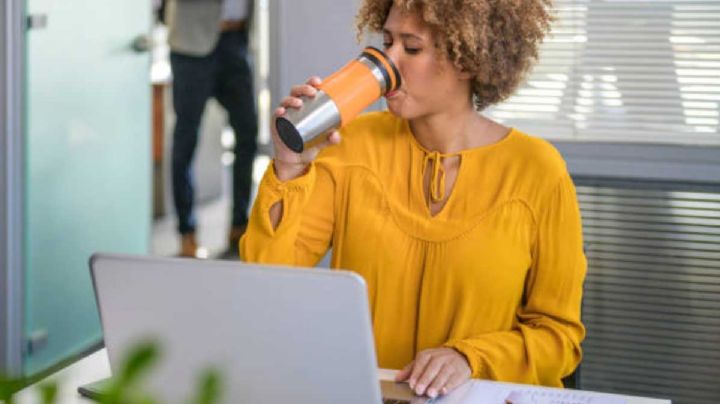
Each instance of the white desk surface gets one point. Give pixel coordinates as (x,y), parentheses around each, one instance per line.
(87,370)
(95,367)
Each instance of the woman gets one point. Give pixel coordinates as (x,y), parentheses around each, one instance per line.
(467,232)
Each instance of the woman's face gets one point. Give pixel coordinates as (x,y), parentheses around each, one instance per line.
(430,83)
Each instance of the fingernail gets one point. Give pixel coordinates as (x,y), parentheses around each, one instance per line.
(412,384)
(420,389)
(432,393)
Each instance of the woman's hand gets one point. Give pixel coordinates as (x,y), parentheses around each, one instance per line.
(288,164)
(435,372)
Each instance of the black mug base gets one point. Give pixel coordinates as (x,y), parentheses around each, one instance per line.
(289,135)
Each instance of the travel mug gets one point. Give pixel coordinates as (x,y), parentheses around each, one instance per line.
(341,97)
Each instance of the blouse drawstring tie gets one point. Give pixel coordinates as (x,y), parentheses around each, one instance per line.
(437,181)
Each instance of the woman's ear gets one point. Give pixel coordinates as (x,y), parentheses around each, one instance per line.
(464,75)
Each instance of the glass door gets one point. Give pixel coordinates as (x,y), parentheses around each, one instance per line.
(87,163)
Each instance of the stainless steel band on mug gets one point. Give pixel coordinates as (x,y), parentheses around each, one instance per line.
(317,113)
(379,65)
(377,71)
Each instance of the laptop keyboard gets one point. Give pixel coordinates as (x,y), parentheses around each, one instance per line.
(392,401)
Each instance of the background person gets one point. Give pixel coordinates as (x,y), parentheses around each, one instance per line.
(209,44)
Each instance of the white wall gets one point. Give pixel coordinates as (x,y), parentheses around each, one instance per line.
(309,37)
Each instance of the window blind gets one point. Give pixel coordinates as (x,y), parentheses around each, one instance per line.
(625,71)
(651,300)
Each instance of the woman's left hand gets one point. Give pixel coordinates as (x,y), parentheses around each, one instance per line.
(435,372)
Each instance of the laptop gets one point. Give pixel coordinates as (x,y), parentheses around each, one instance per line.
(274,334)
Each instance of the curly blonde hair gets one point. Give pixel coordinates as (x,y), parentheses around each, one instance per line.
(496,41)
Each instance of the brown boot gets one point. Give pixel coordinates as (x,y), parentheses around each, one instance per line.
(188,245)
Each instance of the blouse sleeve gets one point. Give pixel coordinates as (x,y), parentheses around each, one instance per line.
(303,235)
(544,345)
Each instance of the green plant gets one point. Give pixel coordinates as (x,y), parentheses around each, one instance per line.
(7,388)
(48,393)
(125,387)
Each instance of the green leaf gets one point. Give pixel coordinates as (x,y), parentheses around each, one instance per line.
(209,388)
(134,369)
(48,392)
(8,388)
(140,359)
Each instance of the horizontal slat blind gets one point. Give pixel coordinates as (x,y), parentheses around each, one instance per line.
(625,71)
(652,294)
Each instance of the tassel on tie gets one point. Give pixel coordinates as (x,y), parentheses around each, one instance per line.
(437,181)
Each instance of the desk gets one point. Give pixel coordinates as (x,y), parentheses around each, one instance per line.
(87,370)
(95,367)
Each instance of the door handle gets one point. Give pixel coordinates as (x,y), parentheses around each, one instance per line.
(36,21)
(141,43)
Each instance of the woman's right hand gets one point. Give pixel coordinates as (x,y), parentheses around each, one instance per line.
(289,164)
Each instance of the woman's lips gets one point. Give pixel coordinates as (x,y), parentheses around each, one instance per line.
(392,94)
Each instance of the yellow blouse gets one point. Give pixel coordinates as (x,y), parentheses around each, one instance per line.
(497,274)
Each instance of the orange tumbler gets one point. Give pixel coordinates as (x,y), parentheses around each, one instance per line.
(341,97)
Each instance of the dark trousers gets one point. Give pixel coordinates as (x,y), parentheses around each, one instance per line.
(224,74)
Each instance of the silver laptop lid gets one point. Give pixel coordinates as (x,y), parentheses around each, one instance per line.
(276,335)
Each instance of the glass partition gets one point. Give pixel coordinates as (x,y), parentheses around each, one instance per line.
(87,163)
